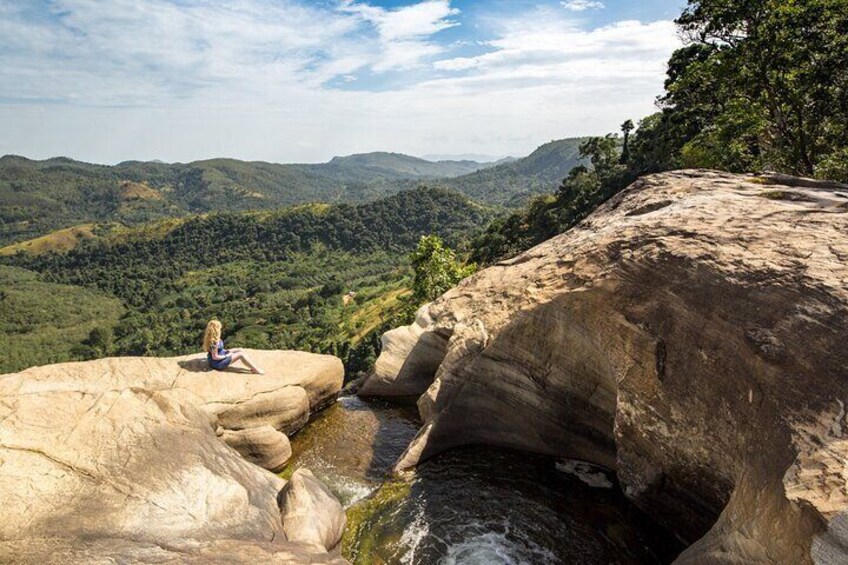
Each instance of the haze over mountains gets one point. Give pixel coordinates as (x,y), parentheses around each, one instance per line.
(37,197)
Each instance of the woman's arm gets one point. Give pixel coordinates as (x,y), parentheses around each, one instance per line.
(213,351)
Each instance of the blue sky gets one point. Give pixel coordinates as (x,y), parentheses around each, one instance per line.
(288,80)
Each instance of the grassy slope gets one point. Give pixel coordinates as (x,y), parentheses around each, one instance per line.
(41,322)
(58,241)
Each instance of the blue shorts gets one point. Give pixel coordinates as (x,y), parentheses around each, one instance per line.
(220,364)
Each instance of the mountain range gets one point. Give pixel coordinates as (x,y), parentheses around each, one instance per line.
(39,197)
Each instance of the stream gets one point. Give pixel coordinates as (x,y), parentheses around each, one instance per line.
(471,505)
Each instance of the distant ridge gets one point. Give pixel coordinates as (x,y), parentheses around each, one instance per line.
(40,197)
(476,157)
(512,181)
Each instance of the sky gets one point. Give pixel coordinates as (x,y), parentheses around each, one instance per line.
(294,81)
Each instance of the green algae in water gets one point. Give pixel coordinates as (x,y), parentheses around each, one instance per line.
(470,505)
(364,541)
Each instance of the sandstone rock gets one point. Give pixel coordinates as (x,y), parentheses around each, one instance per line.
(285,409)
(412,356)
(689,335)
(119,460)
(311,514)
(263,446)
(129,463)
(178,551)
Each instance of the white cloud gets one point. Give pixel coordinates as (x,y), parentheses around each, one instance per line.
(145,79)
(544,49)
(403,32)
(582,5)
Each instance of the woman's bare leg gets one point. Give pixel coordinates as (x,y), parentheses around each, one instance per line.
(243,358)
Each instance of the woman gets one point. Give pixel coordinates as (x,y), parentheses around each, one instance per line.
(218,357)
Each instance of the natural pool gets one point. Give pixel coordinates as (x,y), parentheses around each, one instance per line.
(471,505)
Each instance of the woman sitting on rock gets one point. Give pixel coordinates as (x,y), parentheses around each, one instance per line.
(218,357)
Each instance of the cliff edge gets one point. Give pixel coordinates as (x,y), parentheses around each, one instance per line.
(690,335)
(127,459)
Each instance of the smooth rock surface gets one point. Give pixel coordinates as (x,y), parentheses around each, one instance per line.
(690,334)
(263,446)
(119,459)
(178,551)
(311,514)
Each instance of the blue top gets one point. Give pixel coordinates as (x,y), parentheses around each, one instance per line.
(219,349)
(224,355)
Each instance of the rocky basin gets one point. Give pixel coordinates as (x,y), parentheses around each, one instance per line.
(689,335)
(127,459)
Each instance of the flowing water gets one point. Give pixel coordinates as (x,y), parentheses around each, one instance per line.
(472,505)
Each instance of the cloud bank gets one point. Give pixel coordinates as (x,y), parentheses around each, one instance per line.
(303,81)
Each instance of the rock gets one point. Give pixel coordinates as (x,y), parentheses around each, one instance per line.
(118,459)
(689,335)
(127,463)
(177,551)
(295,385)
(285,409)
(263,446)
(412,356)
(311,514)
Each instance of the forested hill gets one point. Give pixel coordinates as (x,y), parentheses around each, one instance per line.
(276,280)
(364,167)
(38,197)
(155,256)
(512,182)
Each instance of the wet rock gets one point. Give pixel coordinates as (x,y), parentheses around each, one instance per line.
(311,514)
(690,335)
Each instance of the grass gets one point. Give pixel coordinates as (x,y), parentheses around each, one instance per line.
(371,313)
(41,323)
(774,195)
(58,241)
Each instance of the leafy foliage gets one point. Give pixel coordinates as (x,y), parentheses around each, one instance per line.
(545,216)
(759,85)
(436,269)
(43,322)
(276,280)
(762,85)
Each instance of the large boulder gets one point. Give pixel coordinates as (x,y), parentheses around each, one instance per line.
(119,459)
(264,446)
(690,335)
(311,514)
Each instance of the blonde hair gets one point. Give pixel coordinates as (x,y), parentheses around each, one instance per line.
(211,335)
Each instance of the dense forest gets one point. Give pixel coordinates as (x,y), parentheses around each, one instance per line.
(275,279)
(759,85)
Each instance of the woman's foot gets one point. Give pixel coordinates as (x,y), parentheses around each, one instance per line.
(258,371)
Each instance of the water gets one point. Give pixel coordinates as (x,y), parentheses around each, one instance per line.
(468,506)
(353,444)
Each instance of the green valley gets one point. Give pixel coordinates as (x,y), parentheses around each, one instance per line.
(275,279)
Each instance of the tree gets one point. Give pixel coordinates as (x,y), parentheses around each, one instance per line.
(436,269)
(762,84)
(626,128)
(100,341)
